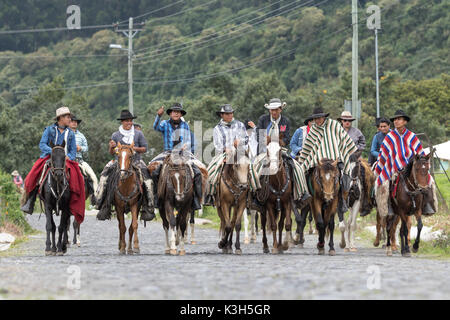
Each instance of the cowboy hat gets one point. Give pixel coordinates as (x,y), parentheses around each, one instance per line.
(319,113)
(226,108)
(176,107)
(346,115)
(400,113)
(62,112)
(125,115)
(310,118)
(74,118)
(15,173)
(275,103)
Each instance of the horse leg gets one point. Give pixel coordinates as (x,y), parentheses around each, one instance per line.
(376,243)
(53,236)
(182,225)
(280,231)
(135,225)
(246,237)
(404,238)
(253,225)
(61,232)
(122,229)
(319,225)
(301,226)
(192,224)
(172,230)
(49,229)
(166,230)
(419,229)
(393,232)
(331,252)
(352,226)
(389,225)
(263,227)
(288,226)
(310,219)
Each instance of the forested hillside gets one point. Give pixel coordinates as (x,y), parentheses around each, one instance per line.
(204,53)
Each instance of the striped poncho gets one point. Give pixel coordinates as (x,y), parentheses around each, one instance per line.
(328,141)
(395,153)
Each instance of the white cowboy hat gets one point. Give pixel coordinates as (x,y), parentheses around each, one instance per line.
(346,115)
(62,112)
(275,104)
(15,173)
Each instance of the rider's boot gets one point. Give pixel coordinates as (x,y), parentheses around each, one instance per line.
(303,201)
(148,210)
(28,207)
(196,204)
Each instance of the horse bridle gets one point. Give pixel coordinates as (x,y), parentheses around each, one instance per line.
(416,187)
(128,173)
(187,186)
(58,194)
(241,188)
(279,193)
(316,177)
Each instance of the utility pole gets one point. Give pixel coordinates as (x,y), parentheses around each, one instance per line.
(355,63)
(374,23)
(130,33)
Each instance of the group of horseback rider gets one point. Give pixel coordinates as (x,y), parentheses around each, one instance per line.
(319,138)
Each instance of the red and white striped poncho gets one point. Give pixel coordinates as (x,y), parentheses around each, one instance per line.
(395,153)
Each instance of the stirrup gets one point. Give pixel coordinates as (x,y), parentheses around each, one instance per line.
(428,210)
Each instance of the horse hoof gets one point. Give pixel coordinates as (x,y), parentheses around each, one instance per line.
(167,251)
(53,253)
(78,245)
(224,251)
(230,251)
(182,252)
(342,245)
(122,252)
(353,250)
(332,252)
(389,252)
(383,246)
(266,250)
(246,240)
(406,254)
(321,252)
(238,251)
(136,251)
(376,243)
(173,252)
(300,245)
(275,251)
(48,253)
(60,253)
(285,246)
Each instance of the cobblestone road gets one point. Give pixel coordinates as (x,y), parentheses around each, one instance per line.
(205,273)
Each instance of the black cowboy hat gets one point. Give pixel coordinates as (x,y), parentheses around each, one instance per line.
(226,108)
(74,118)
(176,107)
(125,115)
(400,113)
(310,118)
(319,113)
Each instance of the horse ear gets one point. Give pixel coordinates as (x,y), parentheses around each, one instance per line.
(335,163)
(428,156)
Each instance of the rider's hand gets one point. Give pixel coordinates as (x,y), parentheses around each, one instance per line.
(251,124)
(78,148)
(161,111)
(112,144)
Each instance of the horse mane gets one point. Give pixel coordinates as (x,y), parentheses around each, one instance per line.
(162,181)
(409,167)
(327,164)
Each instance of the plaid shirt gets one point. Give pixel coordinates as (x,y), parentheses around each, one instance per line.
(180,135)
(82,142)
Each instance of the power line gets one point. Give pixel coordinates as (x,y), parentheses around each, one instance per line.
(145,58)
(214,26)
(63,57)
(153,11)
(103,84)
(55,29)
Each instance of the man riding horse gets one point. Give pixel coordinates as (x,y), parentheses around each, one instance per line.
(327,139)
(126,135)
(82,147)
(177,137)
(229,133)
(273,126)
(398,148)
(384,127)
(58,134)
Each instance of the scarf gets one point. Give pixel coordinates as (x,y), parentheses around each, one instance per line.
(274,131)
(128,135)
(226,124)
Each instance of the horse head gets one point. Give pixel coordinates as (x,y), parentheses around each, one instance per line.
(58,161)
(420,168)
(240,163)
(327,176)
(274,156)
(179,175)
(125,159)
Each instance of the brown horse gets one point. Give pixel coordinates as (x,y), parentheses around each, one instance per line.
(325,190)
(277,184)
(232,194)
(127,197)
(175,192)
(409,199)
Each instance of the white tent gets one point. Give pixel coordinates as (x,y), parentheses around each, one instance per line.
(442,151)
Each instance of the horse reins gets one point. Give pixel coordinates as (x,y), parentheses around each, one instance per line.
(236,194)
(279,193)
(58,195)
(187,186)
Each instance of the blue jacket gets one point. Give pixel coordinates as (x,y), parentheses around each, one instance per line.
(297,142)
(376,144)
(181,136)
(51,133)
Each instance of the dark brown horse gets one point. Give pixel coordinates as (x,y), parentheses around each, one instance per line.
(231,199)
(325,190)
(277,184)
(411,190)
(175,193)
(127,197)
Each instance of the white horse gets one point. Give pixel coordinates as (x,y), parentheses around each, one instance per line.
(253,231)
